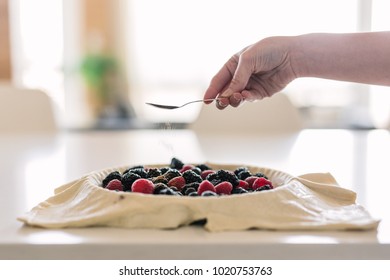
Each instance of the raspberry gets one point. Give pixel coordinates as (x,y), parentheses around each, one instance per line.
(243,184)
(177,182)
(143,186)
(261,182)
(176,164)
(250,180)
(205,173)
(205,186)
(115,185)
(111,176)
(224,188)
(187,167)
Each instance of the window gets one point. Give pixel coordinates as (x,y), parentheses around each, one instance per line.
(173,48)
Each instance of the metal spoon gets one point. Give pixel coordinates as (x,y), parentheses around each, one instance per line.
(170,107)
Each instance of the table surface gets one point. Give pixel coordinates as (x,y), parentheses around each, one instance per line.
(33,165)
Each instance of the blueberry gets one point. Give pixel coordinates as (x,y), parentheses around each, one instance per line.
(209,193)
(159,187)
(176,164)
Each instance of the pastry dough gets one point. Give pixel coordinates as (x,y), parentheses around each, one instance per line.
(307,202)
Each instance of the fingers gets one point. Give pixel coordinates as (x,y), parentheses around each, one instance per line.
(221,80)
(238,82)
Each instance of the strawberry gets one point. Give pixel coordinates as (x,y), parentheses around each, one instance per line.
(224,188)
(177,182)
(261,182)
(143,186)
(115,185)
(205,186)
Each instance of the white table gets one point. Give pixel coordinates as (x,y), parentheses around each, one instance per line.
(32,166)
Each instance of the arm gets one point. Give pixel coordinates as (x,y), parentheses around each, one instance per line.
(355,57)
(268,66)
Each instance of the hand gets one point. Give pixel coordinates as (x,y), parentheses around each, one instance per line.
(258,71)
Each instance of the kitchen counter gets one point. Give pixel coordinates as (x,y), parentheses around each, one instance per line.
(32,166)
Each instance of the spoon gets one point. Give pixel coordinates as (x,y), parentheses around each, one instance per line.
(170,107)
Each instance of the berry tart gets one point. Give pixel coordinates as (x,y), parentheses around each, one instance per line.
(218,197)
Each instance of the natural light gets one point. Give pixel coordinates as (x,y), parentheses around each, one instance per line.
(175,47)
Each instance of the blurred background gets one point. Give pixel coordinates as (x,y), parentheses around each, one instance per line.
(101,60)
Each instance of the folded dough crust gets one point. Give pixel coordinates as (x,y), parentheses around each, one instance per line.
(308,202)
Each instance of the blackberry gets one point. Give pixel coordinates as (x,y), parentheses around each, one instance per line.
(133,167)
(160,179)
(203,167)
(140,171)
(191,177)
(240,169)
(263,188)
(259,174)
(243,175)
(197,170)
(239,190)
(128,179)
(111,176)
(159,187)
(176,164)
(221,176)
(153,172)
(171,173)
(163,170)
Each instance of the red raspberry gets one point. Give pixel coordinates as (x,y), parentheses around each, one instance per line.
(224,188)
(115,185)
(243,184)
(177,182)
(205,173)
(187,167)
(261,182)
(142,186)
(205,186)
(250,180)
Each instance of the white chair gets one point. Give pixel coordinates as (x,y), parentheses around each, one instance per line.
(25,111)
(276,114)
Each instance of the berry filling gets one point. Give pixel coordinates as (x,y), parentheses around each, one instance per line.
(182,179)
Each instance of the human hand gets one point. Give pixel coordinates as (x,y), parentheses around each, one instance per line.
(258,71)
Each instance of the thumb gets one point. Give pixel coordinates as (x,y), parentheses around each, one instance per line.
(240,77)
